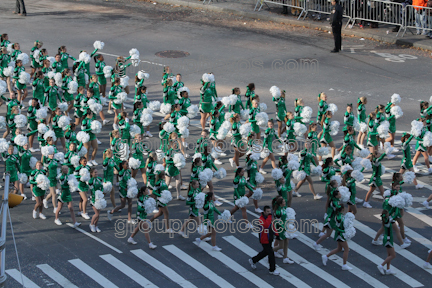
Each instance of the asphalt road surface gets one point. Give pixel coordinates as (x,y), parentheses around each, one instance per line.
(237,51)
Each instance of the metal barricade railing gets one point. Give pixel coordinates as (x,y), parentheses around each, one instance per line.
(324,7)
(5,209)
(295,4)
(419,18)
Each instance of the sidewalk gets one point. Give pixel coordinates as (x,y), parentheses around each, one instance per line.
(245,8)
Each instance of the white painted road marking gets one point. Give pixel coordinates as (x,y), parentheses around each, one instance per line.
(53,274)
(96,276)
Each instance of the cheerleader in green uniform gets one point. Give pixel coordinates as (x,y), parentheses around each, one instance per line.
(207,162)
(35,63)
(95,87)
(290,139)
(350,183)
(68,157)
(80,73)
(361,117)
(387,220)
(166,74)
(345,157)
(164,138)
(298,109)
(21,88)
(59,133)
(421,149)
(391,118)
(250,93)
(143,224)
(12,166)
(124,176)
(65,197)
(169,93)
(139,83)
(328,171)
(236,140)
(124,128)
(150,172)
(312,137)
(92,143)
(375,180)
(99,67)
(141,96)
(5,59)
(57,65)
(121,68)
(326,138)
(52,95)
(178,84)
(114,91)
(136,118)
(66,79)
(160,186)
(32,124)
(252,114)
(281,111)
(209,220)
(78,114)
(332,205)
(46,69)
(236,107)
(214,127)
(349,136)
(82,188)
(281,224)
(269,137)
(252,170)
(372,136)
(139,148)
(240,183)
(194,215)
(171,170)
(64,57)
(17,51)
(109,168)
(52,166)
(406,163)
(25,156)
(95,183)
(37,192)
(306,158)
(348,117)
(38,86)
(184,102)
(206,102)
(380,117)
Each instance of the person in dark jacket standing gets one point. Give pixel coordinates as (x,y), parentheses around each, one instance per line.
(20,8)
(336,24)
(266,239)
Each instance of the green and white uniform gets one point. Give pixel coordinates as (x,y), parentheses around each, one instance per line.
(171,170)
(372,136)
(159,187)
(82,186)
(141,212)
(193,210)
(326,137)
(249,95)
(37,192)
(65,196)
(51,96)
(322,108)
(236,107)
(206,100)
(209,210)
(239,184)
(252,114)
(170,95)
(95,184)
(115,89)
(86,127)
(375,180)
(99,66)
(269,136)
(124,176)
(12,165)
(108,169)
(348,120)
(281,224)
(406,162)
(236,139)
(251,170)
(306,158)
(38,89)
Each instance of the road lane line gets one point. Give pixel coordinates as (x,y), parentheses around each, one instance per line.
(96,276)
(53,274)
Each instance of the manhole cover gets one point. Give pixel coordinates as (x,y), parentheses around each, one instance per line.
(172,54)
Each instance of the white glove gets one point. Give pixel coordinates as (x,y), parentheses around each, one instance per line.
(127,120)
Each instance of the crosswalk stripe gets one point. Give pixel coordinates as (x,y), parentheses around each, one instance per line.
(414,235)
(377,260)
(15,274)
(234,266)
(96,276)
(171,274)
(127,271)
(197,266)
(417,214)
(53,274)
(251,252)
(313,268)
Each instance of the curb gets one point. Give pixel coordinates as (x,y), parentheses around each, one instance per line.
(297,23)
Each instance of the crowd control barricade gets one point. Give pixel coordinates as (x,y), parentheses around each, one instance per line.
(297,4)
(324,7)
(417,17)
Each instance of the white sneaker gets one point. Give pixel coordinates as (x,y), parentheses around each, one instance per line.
(32,150)
(262,171)
(419,186)
(320,163)
(317,197)
(198,241)
(42,216)
(426,204)
(98,230)
(207,239)
(169,231)
(94,163)
(321,234)
(288,261)
(249,225)
(185,144)
(381,237)
(181,198)
(89,163)
(316,246)
(152,246)
(390,272)
(395,150)
(358,200)
(58,191)
(367,205)
(85,216)
(416,170)
(427,265)
(105,122)
(275,272)
(170,187)
(406,240)
(381,269)
(155,211)
(216,248)
(218,203)
(33,198)
(345,267)
(98,142)
(258,210)
(149,134)
(58,222)
(109,215)
(35,215)
(45,203)
(278,255)
(76,224)
(390,156)
(296,194)
(55,211)
(184,187)
(115,127)
(324,259)
(253,266)
(376,243)
(223,154)
(132,241)
(430,170)
(405,245)
(92,228)
(231,162)
(216,161)
(110,112)
(24,196)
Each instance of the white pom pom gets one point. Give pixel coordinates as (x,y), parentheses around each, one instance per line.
(135,60)
(300,129)
(154,105)
(74,160)
(323,151)
(180,161)
(134,163)
(107,70)
(120,98)
(387,193)
(299,175)
(165,108)
(222,133)
(142,75)
(182,122)
(245,129)
(292,157)
(396,111)
(395,99)
(47,150)
(205,176)
(24,58)
(160,156)
(357,175)
(22,178)
(165,197)
(146,119)
(208,78)
(259,178)
(275,92)
(349,230)
(363,127)
(290,213)
(293,165)
(244,114)
(132,192)
(42,182)
(220,174)
(334,127)
(82,152)
(20,121)
(242,202)
(83,56)
(261,118)
(20,140)
(345,194)
(42,113)
(229,100)
(192,111)
(346,168)
(169,127)
(363,153)
(409,177)
(73,183)
(397,201)
(317,170)
(225,216)
(134,51)
(257,194)
(200,200)
(58,79)
(336,178)
(72,87)
(107,187)
(83,137)
(265,153)
(263,107)
(149,205)
(59,157)
(427,139)
(98,45)
(24,78)
(408,199)
(333,108)
(96,127)
(306,114)
(33,161)
(383,129)
(134,130)
(63,122)
(4,145)
(228,116)
(8,71)
(416,128)
(85,175)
